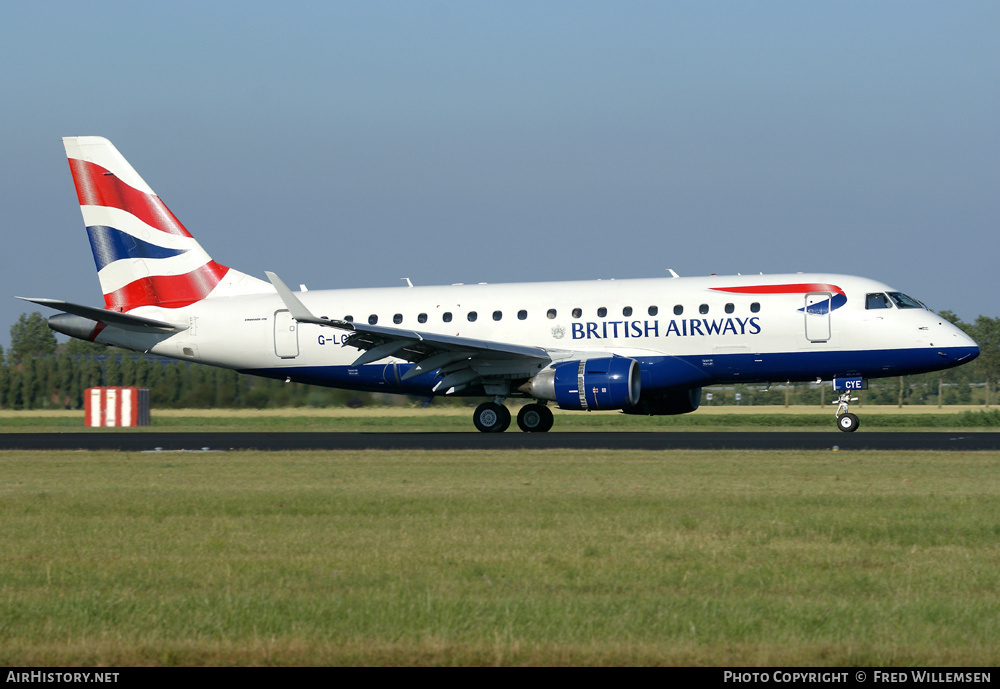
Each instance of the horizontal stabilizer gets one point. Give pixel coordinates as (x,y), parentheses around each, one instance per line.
(120,320)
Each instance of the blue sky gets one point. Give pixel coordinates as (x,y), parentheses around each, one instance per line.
(352,144)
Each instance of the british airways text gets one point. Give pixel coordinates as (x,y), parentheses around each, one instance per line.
(685,327)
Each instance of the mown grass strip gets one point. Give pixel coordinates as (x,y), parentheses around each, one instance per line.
(430,421)
(507,557)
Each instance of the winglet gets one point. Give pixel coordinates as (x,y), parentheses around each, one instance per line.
(298,310)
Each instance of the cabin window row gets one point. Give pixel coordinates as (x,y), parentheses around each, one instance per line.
(602,312)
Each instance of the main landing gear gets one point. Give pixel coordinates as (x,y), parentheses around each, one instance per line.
(493,417)
(534,418)
(846,421)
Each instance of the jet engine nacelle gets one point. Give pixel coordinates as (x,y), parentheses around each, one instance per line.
(606,383)
(676,402)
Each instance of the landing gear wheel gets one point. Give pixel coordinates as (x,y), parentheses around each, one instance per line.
(534,418)
(491,417)
(848,422)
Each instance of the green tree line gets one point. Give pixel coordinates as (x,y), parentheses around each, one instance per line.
(37,373)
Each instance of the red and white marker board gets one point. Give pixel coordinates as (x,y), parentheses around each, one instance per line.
(114,406)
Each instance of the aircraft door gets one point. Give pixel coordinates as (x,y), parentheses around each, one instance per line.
(817,315)
(286,335)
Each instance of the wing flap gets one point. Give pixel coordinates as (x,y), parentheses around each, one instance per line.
(381,351)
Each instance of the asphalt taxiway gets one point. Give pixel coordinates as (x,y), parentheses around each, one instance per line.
(145,441)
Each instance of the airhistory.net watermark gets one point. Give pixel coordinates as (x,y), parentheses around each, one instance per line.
(61,677)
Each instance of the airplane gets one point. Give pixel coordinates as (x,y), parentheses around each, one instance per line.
(641,346)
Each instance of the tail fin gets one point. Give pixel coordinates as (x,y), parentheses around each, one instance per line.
(144,255)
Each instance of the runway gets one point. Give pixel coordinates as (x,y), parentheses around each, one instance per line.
(133,441)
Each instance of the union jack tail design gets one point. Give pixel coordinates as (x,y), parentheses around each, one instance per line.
(144,255)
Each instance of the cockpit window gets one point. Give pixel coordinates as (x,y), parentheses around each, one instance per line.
(877,301)
(904,302)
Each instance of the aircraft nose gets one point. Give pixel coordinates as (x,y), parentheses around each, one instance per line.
(965,347)
(975,347)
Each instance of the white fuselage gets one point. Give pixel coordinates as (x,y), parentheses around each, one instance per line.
(686,331)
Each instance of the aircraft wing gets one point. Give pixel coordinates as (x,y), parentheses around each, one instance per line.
(462,361)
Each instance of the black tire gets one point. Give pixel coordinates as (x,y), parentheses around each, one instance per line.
(848,423)
(491,417)
(534,418)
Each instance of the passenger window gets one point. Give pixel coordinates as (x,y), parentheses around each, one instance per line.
(551,313)
(522,314)
(602,312)
(422,318)
(730,308)
(627,311)
(678,310)
(577,312)
(653,310)
(372,319)
(877,300)
(755,307)
(497,315)
(473,316)
(349,319)
(397,319)
(703,308)
(446,316)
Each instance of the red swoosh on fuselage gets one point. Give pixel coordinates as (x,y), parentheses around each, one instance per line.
(798,288)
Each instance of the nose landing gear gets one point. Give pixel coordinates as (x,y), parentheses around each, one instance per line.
(846,421)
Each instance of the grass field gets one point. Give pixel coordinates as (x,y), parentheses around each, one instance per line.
(679,558)
(444,419)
